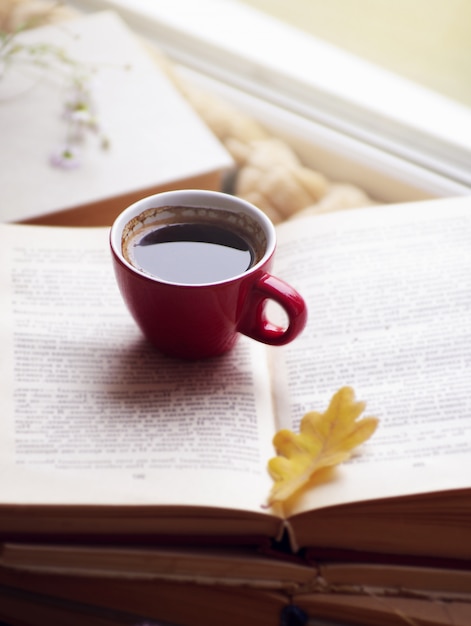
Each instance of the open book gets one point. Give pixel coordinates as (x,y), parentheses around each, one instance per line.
(102,437)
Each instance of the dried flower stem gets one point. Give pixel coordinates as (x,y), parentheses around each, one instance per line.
(79,111)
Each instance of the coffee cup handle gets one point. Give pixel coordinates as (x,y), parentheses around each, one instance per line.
(254,322)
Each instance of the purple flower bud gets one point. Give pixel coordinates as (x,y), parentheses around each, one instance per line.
(66,158)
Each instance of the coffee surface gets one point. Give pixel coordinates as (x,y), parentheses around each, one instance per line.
(191,253)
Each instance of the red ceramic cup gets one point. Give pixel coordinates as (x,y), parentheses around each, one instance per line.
(194,321)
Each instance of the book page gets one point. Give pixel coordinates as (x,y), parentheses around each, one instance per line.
(93,414)
(389,298)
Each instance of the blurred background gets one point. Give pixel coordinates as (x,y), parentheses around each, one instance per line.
(427,41)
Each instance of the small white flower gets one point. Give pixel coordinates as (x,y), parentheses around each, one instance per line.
(66,158)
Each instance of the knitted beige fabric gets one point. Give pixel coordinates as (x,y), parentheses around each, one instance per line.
(269,173)
(19,14)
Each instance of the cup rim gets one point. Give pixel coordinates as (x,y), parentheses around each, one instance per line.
(191,198)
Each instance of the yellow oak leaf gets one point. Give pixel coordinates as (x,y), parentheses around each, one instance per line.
(325,439)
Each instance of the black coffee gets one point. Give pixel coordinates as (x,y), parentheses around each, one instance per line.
(191,253)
